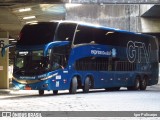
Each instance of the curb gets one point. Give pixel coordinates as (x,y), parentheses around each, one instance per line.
(5,91)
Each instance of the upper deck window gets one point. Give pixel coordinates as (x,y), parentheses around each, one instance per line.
(87,34)
(83,35)
(37,34)
(65,32)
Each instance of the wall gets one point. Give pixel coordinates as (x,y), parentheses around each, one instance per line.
(120,16)
(117,16)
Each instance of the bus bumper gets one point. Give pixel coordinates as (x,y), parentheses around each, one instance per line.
(42,85)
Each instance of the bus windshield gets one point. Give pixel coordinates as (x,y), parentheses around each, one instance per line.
(37,34)
(34,63)
(31,63)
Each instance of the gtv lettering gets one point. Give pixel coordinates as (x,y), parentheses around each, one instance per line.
(134,51)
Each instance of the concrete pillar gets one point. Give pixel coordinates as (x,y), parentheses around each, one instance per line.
(4,62)
(150,25)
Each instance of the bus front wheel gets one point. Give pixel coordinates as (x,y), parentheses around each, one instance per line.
(87,85)
(55,92)
(73,86)
(113,89)
(41,92)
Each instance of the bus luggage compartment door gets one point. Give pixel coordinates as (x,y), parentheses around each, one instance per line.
(121,79)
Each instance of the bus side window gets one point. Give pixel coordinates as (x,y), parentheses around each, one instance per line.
(92,64)
(83,35)
(110,64)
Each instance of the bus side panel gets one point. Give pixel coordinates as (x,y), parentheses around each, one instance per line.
(154,58)
(122,79)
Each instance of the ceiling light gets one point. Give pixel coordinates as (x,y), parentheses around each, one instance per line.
(24,9)
(29,17)
(32,22)
(11,39)
(70,5)
(14,41)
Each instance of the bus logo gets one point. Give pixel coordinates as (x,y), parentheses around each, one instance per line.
(135,49)
(114,52)
(98,52)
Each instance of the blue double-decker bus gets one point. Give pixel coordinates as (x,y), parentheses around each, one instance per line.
(65,55)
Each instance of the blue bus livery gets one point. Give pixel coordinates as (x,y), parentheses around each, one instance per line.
(70,56)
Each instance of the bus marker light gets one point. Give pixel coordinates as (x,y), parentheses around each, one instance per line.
(54,80)
(45,85)
(64,81)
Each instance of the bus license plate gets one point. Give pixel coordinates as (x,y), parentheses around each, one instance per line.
(28,88)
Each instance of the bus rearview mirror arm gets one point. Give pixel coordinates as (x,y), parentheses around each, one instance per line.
(4,48)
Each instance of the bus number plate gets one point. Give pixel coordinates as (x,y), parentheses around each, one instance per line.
(28,88)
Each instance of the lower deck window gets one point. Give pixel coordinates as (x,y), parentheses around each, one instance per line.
(107,64)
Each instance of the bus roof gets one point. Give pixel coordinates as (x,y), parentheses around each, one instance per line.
(104,28)
(97,26)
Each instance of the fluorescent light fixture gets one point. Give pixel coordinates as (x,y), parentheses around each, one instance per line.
(29,17)
(24,9)
(11,39)
(14,41)
(70,5)
(31,22)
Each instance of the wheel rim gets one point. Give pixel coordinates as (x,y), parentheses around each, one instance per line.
(144,82)
(137,84)
(89,82)
(74,85)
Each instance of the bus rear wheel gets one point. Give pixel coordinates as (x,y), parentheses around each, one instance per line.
(55,92)
(136,85)
(73,86)
(41,92)
(143,83)
(87,84)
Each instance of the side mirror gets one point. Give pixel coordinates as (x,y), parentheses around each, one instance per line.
(4,49)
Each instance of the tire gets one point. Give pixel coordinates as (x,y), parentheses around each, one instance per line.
(55,92)
(113,89)
(87,85)
(143,83)
(108,89)
(116,88)
(41,92)
(73,86)
(136,85)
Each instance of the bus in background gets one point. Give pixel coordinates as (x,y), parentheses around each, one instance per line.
(70,56)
